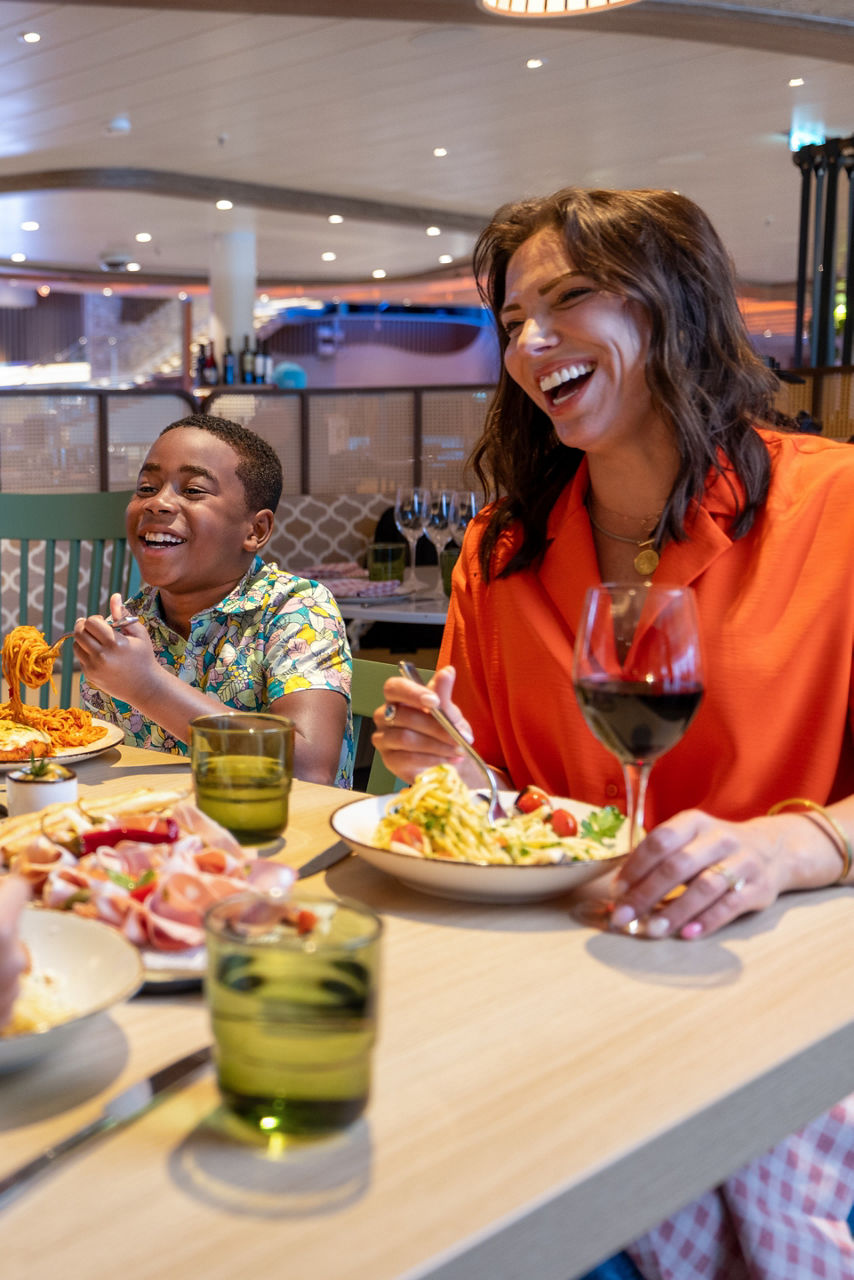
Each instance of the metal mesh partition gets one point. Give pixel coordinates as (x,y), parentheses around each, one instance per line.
(134,423)
(276,418)
(361,442)
(49,441)
(451,422)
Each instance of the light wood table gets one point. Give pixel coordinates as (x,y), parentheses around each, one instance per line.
(543,1093)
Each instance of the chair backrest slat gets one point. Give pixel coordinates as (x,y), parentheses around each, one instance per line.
(367,694)
(51,529)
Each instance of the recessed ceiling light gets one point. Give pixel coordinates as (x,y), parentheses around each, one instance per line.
(335,218)
(796,82)
(43,290)
(17,257)
(328,257)
(265,297)
(29,37)
(108,293)
(142,237)
(224,204)
(183,295)
(134,266)
(440,151)
(445,258)
(434,231)
(29,226)
(378,274)
(534,64)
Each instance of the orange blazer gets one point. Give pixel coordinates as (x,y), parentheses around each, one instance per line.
(777,622)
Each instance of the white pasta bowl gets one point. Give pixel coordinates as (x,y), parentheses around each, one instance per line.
(98,968)
(356,823)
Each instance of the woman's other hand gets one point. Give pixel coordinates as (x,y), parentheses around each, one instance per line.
(695,873)
(14,892)
(409,739)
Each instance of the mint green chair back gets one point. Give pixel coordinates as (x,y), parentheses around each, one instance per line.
(71,556)
(367,694)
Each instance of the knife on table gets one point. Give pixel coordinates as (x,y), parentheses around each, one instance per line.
(323,861)
(120,1110)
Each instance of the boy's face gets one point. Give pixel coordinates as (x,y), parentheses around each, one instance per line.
(188,525)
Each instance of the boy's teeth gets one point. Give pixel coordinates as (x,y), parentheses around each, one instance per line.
(168,538)
(564,375)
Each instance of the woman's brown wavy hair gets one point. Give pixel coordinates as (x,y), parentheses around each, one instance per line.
(660,249)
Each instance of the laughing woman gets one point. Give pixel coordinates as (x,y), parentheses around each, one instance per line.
(633,415)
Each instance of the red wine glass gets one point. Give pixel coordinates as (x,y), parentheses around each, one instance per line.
(638,677)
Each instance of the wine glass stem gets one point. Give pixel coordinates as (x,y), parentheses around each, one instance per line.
(636,776)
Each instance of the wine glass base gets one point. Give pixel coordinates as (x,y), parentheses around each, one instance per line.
(594,913)
(414,584)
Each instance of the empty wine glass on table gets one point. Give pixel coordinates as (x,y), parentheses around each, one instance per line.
(464,508)
(411,513)
(638,677)
(438,528)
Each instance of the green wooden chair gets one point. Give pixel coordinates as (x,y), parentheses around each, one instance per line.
(367,694)
(71,555)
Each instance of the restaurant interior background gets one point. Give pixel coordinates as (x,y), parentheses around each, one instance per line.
(327,164)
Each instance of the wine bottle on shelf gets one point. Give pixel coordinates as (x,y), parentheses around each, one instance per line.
(210,372)
(268,365)
(228,364)
(247,362)
(260,363)
(201,355)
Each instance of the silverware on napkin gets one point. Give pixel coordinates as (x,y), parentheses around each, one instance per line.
(120,1110)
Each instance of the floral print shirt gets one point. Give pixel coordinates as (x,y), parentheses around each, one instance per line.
(274,634)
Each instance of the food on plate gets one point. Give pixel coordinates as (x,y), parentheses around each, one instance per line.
(42,1002)
(438,817)
(21,741)
(28,659)
(147,862)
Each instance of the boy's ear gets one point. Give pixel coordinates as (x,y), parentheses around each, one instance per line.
(259,534)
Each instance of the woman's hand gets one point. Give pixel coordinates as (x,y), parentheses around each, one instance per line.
(14,892)
(409,739)
(119,662)
(726,868)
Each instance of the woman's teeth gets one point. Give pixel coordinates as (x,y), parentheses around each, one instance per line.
(560,377)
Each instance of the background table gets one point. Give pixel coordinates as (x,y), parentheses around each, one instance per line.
(428,608)
(543,1093)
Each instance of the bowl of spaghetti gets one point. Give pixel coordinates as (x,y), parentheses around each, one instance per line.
(28,661)
(78,968)
(460,854)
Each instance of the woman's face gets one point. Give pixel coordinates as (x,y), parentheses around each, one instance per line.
(577,351)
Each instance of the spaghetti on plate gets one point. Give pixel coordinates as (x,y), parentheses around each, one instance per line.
(28,659)
(439,817)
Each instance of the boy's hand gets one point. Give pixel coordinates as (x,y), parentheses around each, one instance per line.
(120,662)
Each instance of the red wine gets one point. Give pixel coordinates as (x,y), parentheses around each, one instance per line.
(638,722)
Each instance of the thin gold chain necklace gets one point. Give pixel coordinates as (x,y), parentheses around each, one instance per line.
(646,560)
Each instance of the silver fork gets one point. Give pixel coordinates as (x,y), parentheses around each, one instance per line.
(111,622)
(495,810)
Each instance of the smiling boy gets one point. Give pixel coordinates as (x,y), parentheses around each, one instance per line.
(216,624)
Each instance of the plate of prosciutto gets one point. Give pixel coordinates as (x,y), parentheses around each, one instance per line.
(149,863)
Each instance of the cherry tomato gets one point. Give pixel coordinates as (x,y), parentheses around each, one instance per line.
(564,823)
(141,891)
(409,834)
(531,798)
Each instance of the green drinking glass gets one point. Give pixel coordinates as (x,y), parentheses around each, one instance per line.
(243,765)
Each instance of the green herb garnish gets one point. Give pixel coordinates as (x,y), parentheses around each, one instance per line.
(603,825)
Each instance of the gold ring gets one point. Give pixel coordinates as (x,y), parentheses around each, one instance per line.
(735,883)
(389,712)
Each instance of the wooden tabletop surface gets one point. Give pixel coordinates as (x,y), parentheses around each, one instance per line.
(543,1092)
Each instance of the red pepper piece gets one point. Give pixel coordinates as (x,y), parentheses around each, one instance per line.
(164,831)
(306,920)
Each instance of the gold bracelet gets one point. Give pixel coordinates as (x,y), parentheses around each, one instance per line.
(838,836)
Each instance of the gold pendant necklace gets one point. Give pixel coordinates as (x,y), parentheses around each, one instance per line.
(647,558)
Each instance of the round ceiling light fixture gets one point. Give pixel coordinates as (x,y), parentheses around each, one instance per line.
(549,8)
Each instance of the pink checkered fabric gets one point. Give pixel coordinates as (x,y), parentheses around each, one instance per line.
(782,1217)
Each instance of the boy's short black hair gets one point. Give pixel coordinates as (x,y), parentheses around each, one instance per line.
(259,469)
